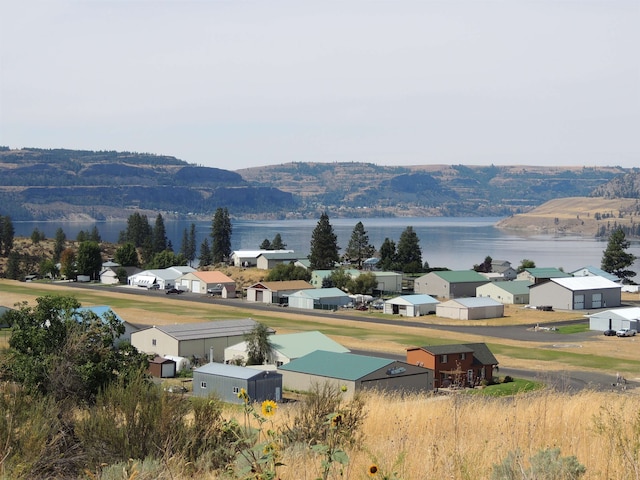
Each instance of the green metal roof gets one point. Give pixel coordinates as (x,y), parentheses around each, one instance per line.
(296,345)
(343,366)
(516,287)
(461,276)
(547,272)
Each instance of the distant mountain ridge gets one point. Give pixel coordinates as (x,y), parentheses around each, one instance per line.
(40,184)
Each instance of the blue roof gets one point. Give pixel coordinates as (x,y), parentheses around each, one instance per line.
(344,366)
(317,293)
(231,371)
(476,302)
(101,311)
(598,272)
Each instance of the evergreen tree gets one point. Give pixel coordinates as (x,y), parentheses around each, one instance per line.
(359,248)
(58,246)
(37,236)
(188,248)
(265,245)
(324,245)
(388,255)
(277,243)
(13,271)
(221,236)
(205,253)
(94,235)
(409,252)
(138,230)
(159,236)
(48,268)
(126,255)
(615,258)
(7,233)
(484,267)
(89,259)
(166,259)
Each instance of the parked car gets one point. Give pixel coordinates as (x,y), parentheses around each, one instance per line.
(173,290)
(609,333)
(626,332)
(154,286)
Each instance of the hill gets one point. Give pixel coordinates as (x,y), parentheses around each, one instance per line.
(593,216)
(38,184)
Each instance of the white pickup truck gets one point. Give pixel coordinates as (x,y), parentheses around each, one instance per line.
(626,332)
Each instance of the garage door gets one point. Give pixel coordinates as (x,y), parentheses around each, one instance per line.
(195,286)
(578,302)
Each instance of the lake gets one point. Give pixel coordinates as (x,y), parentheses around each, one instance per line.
(456,243)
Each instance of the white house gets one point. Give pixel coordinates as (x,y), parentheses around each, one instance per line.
(615,319)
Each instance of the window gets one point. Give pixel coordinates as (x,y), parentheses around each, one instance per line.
(443,359)
(153,342)
(463,356)
(236,389)
(203,384)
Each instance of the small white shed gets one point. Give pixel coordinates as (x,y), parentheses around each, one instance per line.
(472,308)
(411,305)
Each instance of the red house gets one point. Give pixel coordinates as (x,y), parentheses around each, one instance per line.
(457,365)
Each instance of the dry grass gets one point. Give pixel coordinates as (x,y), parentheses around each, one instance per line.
(461,437)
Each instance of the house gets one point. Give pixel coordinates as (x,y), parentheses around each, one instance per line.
(103,311)
(576,293)
(109,273)
(590,271)
(504,268)
(161,367)
(208,282)
(226,382)
(615,319)
(356,373)
(319,299)
(287,347)
(470,309)
(165,278)
(303,262)
(269,260)
(449,283)
(275,292)
(509,293)
(249,258)
(199,340)
(462,365)
(540,275)
(411,305)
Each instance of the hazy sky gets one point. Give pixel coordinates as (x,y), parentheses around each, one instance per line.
(235,84)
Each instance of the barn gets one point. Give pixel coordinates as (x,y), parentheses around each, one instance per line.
(226,382)
(411,305)
(471,308)
(576,293)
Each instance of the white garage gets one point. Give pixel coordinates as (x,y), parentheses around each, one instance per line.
(471,308)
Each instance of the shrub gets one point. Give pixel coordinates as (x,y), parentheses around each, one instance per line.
(544,465)
(507,379)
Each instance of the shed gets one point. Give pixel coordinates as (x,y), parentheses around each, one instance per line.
(355,372)
(161,367)
(208,282)
(576,293)
(249,258)
(470,309)
(287,347)
(615,319)
(449,283)
(509,293)
(193,339)
(541,274)
(319,299)
(591,271)
(164,277)
(270,259)
(411,305)
(226,381)
(275,292)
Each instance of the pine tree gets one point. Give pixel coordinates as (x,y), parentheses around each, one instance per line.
(159,236)
(58,247)
(388,254)
(7,233)
(324,245)
(615,259)
(409,252)
(359,248)
(221,235)
(205,253)
(277,243)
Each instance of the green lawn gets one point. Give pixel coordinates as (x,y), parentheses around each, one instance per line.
(506,389)
(577,328)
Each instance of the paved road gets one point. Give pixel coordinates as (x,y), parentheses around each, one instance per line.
(570,380)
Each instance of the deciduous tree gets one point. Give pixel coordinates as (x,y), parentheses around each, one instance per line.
(89,259)
(126,255)
(258,345)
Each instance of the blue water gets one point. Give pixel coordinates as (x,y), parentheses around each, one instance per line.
(456,243)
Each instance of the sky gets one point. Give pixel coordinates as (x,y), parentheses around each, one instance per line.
(237,84)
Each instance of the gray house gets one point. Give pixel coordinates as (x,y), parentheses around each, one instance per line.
(269,260)
(226,381)
(319,299)
(576,293)
(449,284)
(355,372)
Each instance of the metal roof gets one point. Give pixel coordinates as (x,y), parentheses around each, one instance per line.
(413,300)
(343,366)
(629,313)
(585,283)
(275,255)
(460,276)
(317,293)
(296,345)
(231,371)
(514,287)
(471,302)
(546,272)
(100,311)
(284,285)
(597,272)
(481,352)
(220,328)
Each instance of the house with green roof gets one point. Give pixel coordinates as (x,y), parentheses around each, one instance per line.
(286,347)
(509,293)
(449,283)
(355,373)
(540,275)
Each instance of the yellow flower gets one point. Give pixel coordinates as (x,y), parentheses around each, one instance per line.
(269,408)
(373,470)
(343,388)
(242,394)
(337,420)
(270,447)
